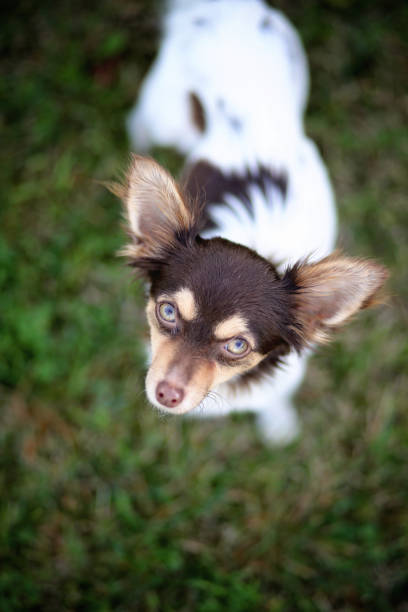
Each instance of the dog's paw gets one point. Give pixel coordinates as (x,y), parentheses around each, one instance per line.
(279,424)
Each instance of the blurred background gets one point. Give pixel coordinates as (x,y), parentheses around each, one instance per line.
(104,505)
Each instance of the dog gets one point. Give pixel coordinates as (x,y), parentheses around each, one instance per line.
(243,281)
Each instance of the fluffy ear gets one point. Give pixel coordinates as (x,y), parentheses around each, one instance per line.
(329,292)
(156,214)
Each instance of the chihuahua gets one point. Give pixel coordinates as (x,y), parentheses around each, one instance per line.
(243,280)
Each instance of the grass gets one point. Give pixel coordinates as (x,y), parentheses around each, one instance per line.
(104,505)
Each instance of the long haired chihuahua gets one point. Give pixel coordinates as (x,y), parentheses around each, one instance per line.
(238,257)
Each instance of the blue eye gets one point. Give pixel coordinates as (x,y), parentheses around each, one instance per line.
(167,312)
(237,346)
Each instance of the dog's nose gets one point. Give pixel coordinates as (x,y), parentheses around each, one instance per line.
(168,395)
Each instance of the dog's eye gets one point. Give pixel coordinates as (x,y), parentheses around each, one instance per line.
(237,347)
(167,312)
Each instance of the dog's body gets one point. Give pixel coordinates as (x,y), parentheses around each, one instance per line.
(229,89)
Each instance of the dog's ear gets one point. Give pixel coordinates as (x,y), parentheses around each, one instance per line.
(157,216)
(328,293)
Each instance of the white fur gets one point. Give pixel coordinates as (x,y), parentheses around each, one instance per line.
(219,51)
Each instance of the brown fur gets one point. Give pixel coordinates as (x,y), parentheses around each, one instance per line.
(206,184)
(197,112)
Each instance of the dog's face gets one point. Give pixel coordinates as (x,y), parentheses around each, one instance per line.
(217,309)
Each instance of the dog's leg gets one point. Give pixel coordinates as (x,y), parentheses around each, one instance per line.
(279,423)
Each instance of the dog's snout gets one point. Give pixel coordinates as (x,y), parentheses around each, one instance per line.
(167,395)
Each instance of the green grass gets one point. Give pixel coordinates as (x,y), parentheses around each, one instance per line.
(104,505)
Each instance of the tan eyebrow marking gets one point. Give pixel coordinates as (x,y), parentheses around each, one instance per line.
(230,327)
(186,303)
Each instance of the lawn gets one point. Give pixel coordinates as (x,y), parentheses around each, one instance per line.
(105,505)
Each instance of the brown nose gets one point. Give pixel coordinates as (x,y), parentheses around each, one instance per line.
(168,395)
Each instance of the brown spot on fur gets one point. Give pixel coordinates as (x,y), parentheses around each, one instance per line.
(206,184)
(197,112)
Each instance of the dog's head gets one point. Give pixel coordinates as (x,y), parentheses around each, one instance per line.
(217,309)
